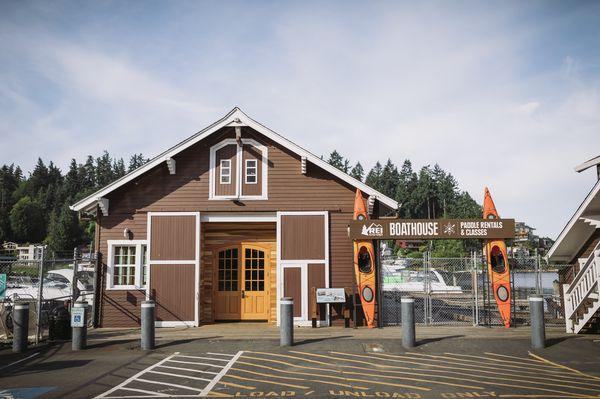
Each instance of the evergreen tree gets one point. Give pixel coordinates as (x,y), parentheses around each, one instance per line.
(64,230)
(88,173)
(389,179)
(335,159)
(27,221)
(357,171)
(119,169)
(405,191)
(104,170)
(374,177)
(136,161)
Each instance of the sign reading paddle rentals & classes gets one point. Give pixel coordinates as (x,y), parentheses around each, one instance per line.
(432,229)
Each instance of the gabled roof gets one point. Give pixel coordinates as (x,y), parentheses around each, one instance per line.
(235,117)
(588,164)
(579,228)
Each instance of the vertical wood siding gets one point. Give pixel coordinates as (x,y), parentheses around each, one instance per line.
(227,152)
(173,238)
(250,152)
(302,237)
(292,287)
(172,287)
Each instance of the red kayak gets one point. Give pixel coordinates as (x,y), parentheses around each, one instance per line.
(364,265)
(497,261)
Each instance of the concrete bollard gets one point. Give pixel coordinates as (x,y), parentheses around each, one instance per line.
(286,324)
(408,322)
(20,317)
(148,324)
(79,335)
(538,329)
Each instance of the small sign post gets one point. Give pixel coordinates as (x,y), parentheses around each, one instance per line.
(2,286)
(77,317)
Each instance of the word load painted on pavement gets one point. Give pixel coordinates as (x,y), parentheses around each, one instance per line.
(428,229)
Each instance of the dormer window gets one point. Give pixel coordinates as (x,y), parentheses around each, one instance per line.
(225,173)
(250,173)
(238,170)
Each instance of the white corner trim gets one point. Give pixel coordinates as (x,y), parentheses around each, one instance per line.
(171,165)
(235,117)
(103,204)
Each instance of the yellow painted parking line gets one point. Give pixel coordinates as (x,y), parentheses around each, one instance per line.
(501,381)
(302,373)
(333,377)
(266,375)
(445,364)
(489,361)
(237,377)
(289,357)
(412,378)
(213,394)
(546,396)
(563,366)
(233,385)
(514,357)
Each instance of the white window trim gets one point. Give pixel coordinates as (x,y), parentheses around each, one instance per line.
(255,167)
(238,181)
(222,175)
(110,264)
(303,320)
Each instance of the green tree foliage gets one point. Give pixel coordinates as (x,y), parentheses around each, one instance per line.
(337,160)
(35,208)
(27,220)
(357,171)
(374,176)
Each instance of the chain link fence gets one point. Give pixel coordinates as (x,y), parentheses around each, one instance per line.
(457,291)
(49,284)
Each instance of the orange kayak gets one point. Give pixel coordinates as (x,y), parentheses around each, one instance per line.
(497,260)
(364,265)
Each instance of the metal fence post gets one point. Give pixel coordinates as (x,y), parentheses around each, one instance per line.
(38,323)
(475,287)
(286,324)
(74,287)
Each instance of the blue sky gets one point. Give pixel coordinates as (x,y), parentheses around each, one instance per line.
(503,94)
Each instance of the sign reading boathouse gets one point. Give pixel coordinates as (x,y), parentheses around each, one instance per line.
(428,229)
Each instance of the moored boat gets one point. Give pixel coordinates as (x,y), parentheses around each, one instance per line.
(364,265)
(497,260)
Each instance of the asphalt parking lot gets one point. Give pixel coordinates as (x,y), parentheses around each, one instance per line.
(448,368)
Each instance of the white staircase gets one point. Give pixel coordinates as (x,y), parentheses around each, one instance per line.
(582,295)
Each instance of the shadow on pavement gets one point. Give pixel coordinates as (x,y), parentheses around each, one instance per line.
(313,340)
(425,341)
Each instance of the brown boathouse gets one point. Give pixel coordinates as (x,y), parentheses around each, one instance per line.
(223,224)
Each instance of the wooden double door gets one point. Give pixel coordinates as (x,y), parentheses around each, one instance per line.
(241,282)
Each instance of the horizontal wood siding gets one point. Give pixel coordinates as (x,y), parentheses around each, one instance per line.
(122,308)
(172,287)
(173,238)
(188,189)
(302,237)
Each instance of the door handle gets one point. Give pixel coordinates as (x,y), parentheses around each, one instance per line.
(243,294)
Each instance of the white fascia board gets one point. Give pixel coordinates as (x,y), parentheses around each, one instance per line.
(235,117)
(587,164)
(576,217)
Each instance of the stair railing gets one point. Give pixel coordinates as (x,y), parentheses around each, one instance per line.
(583,283)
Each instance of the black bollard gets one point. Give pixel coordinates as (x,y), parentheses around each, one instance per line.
(408,322)
(20,318)
(286,325)
(538,329)
(148,325)
(79,335)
